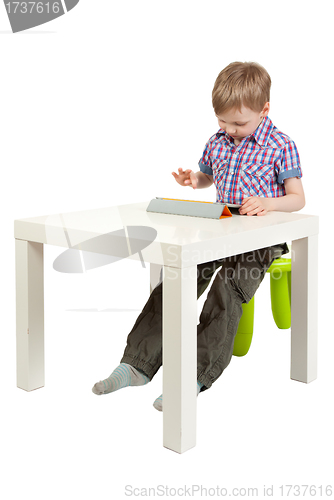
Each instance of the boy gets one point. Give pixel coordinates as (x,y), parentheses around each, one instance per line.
(254,165)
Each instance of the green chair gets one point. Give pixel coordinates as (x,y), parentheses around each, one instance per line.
(280,292)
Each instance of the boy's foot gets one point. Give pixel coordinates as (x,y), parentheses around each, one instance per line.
(123,376)
(158,402)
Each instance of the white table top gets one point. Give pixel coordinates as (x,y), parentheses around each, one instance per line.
(180,242)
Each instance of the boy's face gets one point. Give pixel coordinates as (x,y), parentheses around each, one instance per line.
(240,124)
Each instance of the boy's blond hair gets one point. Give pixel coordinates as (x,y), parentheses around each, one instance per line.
(241,84)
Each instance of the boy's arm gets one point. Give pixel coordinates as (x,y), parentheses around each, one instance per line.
(196,180)
(293,200)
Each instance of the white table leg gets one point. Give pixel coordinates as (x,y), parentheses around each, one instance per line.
(179,358)
(304,308)
(155,270)
(29,315)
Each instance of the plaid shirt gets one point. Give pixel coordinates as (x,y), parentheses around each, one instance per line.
(256,167)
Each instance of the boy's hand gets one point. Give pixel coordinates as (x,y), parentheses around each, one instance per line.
(186,178)
(254,205)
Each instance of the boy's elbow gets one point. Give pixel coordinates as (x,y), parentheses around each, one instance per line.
(210,178)
(302,202)
(297,204)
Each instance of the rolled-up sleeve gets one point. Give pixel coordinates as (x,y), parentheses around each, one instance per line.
(205,161)
(288,164)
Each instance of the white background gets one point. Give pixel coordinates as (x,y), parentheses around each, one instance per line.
(97,108)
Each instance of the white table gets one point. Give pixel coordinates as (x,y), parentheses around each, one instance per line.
(181,244)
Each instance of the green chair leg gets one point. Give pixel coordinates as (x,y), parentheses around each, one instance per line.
(280,292)
(244,334)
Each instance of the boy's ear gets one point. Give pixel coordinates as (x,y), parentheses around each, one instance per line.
(265,109)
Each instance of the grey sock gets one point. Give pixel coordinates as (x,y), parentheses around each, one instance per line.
(158,402)
(123,376)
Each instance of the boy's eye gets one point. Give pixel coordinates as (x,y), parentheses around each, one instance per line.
(240,124)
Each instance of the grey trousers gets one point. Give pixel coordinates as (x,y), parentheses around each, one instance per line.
(235,283)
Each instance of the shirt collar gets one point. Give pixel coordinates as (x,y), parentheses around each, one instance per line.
(261,134)
(263,131)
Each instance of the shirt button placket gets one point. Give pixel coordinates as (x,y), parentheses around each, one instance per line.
(234,161)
